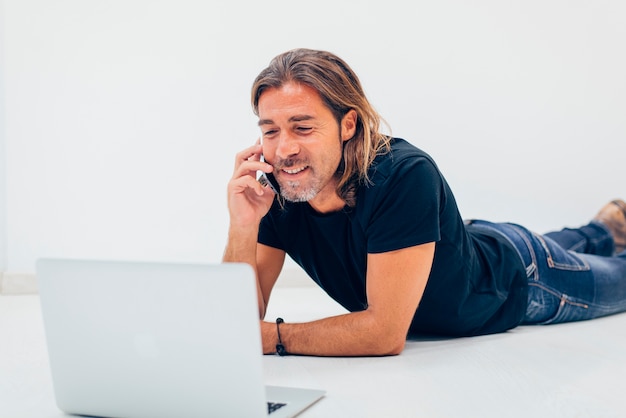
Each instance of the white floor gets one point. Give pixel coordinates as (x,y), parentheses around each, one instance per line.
(571,370)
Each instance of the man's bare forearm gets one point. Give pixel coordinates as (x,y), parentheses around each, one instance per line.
(353,334)
(241,248)
(241,245)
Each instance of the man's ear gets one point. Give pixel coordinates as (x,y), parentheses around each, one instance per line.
(348,125)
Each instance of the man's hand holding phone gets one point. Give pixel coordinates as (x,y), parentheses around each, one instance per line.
(248,199)
(268,180)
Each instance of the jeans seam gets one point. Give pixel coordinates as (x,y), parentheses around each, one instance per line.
(533,258)
(578,245)
(552,264)
(561,296)
(563,301)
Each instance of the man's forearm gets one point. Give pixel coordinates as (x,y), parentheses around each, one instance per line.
(241,248)
(241,245)
(353,334)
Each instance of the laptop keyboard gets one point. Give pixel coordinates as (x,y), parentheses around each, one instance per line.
(273,406)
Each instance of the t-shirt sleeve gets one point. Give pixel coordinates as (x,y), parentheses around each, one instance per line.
(405,208)
(268,234)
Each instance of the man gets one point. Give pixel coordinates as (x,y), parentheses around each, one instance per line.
(371,219)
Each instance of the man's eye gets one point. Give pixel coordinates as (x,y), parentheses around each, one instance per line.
(303,129)
(270,132)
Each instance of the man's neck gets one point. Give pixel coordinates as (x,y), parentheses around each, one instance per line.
(327,203)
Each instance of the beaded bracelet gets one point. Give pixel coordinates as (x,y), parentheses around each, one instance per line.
(280,348)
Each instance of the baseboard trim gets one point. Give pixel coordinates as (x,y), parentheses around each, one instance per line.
(18,284)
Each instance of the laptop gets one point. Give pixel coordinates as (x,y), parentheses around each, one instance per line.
(141,339)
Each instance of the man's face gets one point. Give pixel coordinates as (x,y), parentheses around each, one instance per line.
(304,142)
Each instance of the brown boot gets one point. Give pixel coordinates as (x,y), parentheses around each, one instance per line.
(613,216)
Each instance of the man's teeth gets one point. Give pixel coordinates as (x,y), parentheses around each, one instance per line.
(294,171)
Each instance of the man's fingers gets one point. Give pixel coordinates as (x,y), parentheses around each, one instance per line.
(252,153)
(242,183)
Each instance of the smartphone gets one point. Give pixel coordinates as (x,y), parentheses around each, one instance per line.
(268,179)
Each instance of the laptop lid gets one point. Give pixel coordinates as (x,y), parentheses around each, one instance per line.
(136,339)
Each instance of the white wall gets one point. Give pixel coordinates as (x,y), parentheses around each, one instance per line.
(123,117)
(3,199)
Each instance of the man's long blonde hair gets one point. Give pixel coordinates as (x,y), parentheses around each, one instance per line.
(340,89)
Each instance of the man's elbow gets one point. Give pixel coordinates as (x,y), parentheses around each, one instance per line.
(396,348)
(385,338)
(389,346)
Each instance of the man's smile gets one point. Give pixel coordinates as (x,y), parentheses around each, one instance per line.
(295,170)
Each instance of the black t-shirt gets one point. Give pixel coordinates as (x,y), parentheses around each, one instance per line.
(477,284)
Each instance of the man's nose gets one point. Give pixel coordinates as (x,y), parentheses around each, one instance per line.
(287,146)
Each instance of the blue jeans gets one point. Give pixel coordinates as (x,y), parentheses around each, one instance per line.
(573,274)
